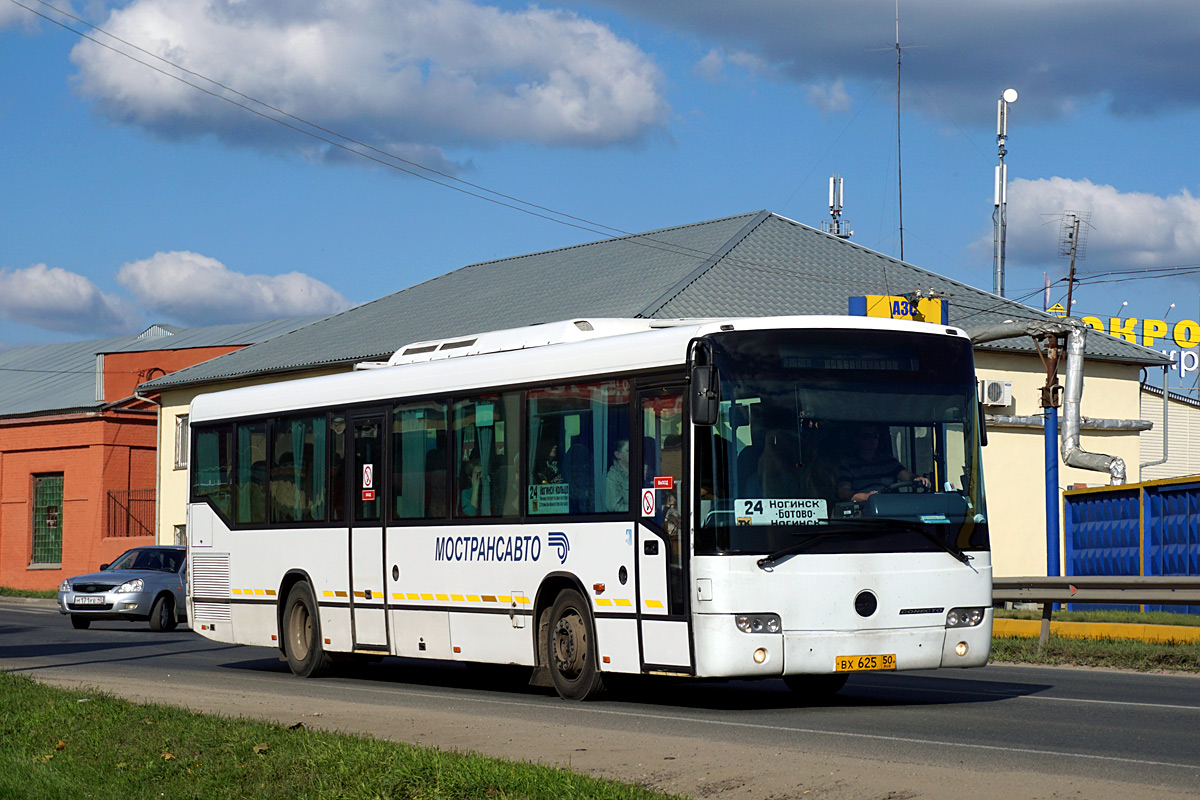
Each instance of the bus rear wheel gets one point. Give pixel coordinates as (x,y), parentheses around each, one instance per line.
(302,634)
(571,648)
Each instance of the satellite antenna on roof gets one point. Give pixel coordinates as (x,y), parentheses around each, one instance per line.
(836,225)
(1072,243)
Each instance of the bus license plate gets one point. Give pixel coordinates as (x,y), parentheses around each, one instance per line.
(85,600)
(866,663)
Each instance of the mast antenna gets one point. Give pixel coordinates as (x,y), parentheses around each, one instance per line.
(835,225)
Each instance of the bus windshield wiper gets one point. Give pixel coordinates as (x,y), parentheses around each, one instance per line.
(799,547)
(907,526)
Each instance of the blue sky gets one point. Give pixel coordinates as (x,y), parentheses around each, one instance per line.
(132,198)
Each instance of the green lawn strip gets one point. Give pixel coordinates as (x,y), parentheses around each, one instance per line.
(71,744)
(1111,653)
(49,594)
(1126,617)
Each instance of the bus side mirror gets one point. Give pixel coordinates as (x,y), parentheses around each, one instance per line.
(706,397)
(982,425)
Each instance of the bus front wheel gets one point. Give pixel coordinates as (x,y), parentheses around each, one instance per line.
(571,648)
(302,634)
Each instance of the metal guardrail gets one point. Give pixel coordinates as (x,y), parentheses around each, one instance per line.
(1115,589)
(1119,589)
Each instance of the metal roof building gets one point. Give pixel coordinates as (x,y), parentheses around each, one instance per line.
(756,264)
(62,378)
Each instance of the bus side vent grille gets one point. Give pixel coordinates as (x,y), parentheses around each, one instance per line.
(215,612)
(210,574)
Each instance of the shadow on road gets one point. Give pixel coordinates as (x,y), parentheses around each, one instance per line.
(865,690)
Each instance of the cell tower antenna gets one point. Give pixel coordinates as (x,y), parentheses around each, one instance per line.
(835,225)
(1000,214)
(1072,243)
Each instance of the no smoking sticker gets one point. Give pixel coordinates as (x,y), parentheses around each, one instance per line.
(648,502)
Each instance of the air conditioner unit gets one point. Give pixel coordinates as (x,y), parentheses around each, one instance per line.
(995,393)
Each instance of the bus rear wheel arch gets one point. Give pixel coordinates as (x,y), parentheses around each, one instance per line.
(301,629)
(569,646)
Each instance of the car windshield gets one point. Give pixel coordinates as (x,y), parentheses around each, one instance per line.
(867,439)
(149,559)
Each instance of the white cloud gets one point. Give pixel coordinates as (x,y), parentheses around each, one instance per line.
(58,300)
(198,290)
(1128,229)
(712,67)
(417,74)
(12,15)
(829,98)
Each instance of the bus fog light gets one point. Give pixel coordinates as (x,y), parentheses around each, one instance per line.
(961,648)
(758,623)
(964,617)
(760,655)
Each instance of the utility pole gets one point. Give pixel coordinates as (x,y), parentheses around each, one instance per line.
(1051,401)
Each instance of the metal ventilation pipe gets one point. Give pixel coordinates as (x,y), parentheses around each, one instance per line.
(1072,454)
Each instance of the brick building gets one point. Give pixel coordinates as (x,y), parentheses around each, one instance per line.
(78,446)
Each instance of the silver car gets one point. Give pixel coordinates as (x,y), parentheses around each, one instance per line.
(145,583)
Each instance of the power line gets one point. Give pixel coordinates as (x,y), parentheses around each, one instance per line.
(392,161)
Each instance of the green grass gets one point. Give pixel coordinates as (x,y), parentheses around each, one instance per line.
(49,594)
(66,744)
(1110,653)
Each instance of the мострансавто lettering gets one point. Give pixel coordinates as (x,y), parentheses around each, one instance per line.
(487,548)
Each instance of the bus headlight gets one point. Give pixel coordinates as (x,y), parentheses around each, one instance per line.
(758,623)
(964,617)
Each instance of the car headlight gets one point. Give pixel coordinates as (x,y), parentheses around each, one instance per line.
(135,585)
(964,617)
(65,586)
(758,623)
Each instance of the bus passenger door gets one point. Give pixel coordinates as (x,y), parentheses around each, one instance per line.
(662,546)
(368,598)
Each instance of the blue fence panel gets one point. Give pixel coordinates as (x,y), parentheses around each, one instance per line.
(1173,534)
(1102,537)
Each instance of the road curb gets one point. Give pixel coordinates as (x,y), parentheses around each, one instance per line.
(1031,629)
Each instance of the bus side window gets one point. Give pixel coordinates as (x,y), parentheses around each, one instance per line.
(250,474)
(573,430)
(298,465)
(337,467)
(486,456)
(211,476)
(419,460)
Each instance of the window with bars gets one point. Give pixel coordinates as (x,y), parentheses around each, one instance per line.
(181,441)
(47,519)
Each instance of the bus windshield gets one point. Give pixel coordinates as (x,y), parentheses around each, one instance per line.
(841,441)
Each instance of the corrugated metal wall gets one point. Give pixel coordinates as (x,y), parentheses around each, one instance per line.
(1183,438)
(1148,528)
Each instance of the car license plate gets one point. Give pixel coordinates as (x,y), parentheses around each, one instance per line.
(866,663)
(89,600)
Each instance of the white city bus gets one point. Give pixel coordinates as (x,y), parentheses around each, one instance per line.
(593,497)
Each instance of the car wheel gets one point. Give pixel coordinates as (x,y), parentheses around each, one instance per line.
(571,649)
(302,634)
(80,623)
(162,614)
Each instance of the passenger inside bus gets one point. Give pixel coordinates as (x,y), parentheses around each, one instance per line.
(469,497)
(617,484)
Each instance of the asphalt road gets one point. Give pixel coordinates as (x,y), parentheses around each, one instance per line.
(1003,731)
